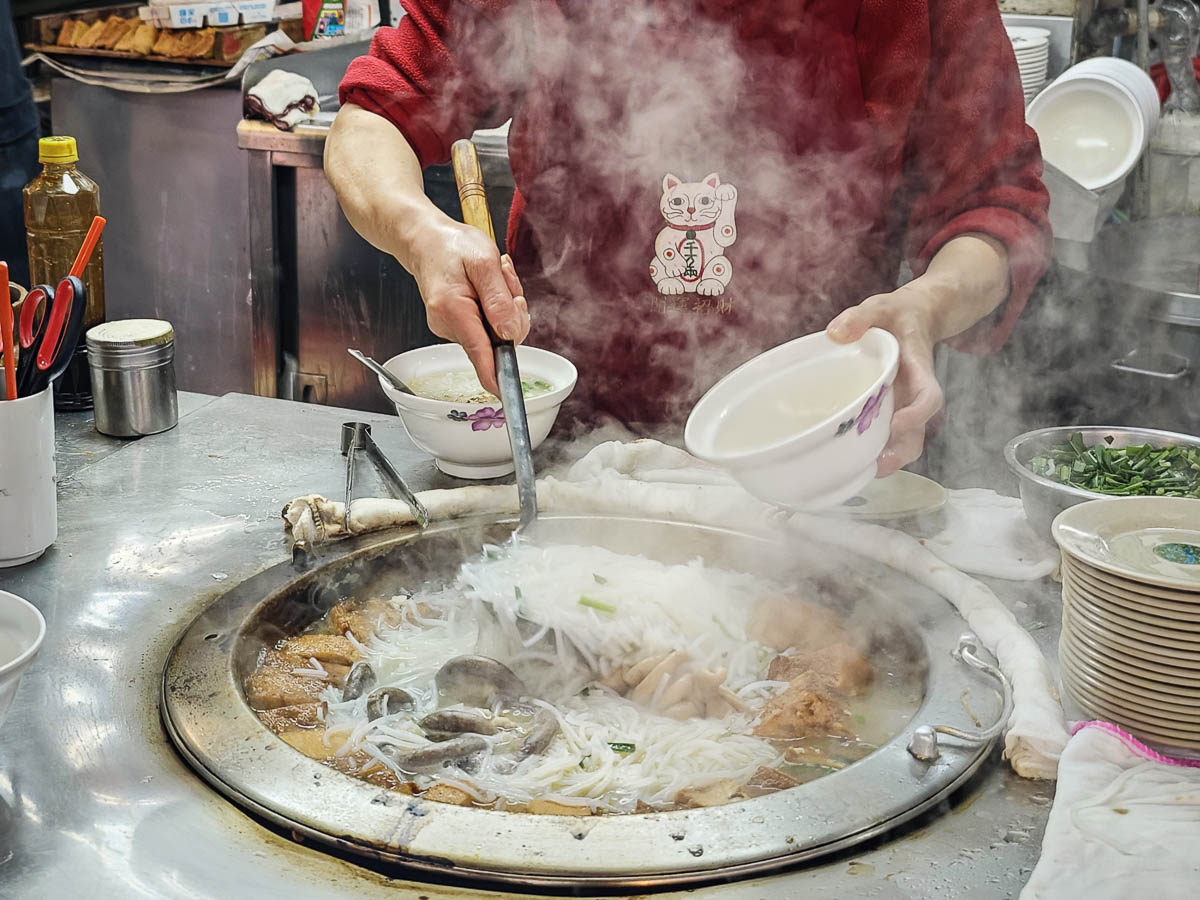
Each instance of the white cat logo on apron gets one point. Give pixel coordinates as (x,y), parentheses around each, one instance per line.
(689,253)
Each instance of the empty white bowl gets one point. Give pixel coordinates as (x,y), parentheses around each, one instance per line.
(802,425)
(1089,128)
(22,630)
(1095,121)
(470,440)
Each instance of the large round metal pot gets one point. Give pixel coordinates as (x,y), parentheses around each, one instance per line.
(205,713)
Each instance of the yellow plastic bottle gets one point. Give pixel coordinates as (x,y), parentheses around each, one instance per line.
(60,205)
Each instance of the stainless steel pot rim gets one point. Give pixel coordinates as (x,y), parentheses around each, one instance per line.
(206,716)
(1062,432)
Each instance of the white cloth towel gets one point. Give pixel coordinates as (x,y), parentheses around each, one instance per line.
(987,534)
(653,480)
(1125,822)
(283,98)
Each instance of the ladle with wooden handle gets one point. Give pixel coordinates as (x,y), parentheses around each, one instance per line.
(475,212)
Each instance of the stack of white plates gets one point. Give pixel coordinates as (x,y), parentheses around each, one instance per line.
(1032,47)
(1130,645)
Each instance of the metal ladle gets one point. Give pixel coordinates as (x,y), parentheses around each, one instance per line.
(475,212)
(380,371)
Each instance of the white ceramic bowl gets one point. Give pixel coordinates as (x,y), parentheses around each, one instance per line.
(470,440)
(22,630)
(819,466)
(1091,127)
(1129,75)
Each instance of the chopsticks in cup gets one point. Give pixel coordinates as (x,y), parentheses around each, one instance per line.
(89,244)
(6,336)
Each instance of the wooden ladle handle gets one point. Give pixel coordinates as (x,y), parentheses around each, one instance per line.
(471,193)
(473,198)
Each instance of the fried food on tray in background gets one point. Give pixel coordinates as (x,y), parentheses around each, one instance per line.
(141,41)
(198,44)
(78,30)
(66,35)
(88,41)
(115,28)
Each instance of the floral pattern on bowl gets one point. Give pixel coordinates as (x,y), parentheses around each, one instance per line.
(481,419)
(868,415)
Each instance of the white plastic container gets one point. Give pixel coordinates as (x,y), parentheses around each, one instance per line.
(818,466)
(28,505)
(22,630)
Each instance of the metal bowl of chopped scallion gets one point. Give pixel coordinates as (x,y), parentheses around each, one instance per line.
(1060,467)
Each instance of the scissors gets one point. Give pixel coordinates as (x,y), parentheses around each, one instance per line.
(48,343)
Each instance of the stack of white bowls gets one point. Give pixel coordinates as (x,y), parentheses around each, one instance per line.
(1130,643)
(1094,122)
(1032,47)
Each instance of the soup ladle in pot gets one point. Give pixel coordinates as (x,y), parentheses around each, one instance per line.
(475,212)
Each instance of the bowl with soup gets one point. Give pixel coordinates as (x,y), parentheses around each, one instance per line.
(453,419)
(802,425)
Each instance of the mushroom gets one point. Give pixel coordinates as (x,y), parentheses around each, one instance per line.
(359,680)
(478,681)
(387,700)
(447,723)
(540,734)
(457,749)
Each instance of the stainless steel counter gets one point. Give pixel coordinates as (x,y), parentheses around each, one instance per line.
(94,801)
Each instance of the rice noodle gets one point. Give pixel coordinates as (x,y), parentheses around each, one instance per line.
(656,608)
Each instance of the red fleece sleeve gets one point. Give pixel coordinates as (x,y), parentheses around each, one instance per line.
(972,164)
(446,70)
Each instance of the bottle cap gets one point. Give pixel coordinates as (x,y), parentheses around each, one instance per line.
(58,150)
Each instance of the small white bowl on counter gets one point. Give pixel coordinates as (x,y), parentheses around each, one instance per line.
(470,440)
(22,630)
(802,425)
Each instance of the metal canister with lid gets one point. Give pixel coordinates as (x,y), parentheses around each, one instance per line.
(132,363)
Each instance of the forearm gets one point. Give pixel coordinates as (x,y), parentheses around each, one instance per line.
(965,282)
(377,179)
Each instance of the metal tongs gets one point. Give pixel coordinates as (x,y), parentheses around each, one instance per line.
(356,436)
(475,212)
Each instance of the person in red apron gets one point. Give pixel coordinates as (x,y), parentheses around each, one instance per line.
(700,180)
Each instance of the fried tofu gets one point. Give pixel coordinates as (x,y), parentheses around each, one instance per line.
(273,684)
(799,712)
(114,29)
(543,806)
(312,742)
(448,793)
(325,648)
(716,794)
(767,778)
(291,718)
(361,621)
(839,665)
(81,28)
(141,41)
(91,36)
(197,44)
(789,623)
(66,35)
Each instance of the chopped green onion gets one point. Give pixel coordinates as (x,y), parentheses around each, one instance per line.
(597,604)
(619,747)
(600,579)
(860,719)
(517,593)
(1122,471)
